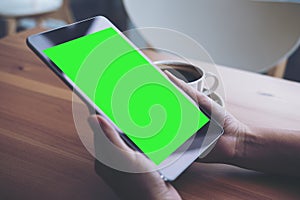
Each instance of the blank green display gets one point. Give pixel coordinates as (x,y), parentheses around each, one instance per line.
(149,109)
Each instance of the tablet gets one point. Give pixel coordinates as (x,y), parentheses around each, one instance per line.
(116,79)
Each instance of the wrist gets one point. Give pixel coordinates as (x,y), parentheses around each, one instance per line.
(243,139)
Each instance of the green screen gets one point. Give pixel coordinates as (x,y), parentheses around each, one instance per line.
(150,110)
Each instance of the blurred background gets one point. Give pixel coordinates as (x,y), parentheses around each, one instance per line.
(116,12)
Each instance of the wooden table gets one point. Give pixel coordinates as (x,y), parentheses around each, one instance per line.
(42,157)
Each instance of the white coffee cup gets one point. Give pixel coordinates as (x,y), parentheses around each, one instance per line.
(195,76)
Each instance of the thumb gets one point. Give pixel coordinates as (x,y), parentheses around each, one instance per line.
(97,121)
(111,148)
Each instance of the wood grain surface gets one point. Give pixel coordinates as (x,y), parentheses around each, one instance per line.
(42,156)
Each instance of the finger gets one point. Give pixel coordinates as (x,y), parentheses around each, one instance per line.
(109,131)
(126,157)
(129,155)
(183,85)
(200,98)
(203,100)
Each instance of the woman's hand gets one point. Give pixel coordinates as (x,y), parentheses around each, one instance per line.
(131,185)
(230,144)
(262,149)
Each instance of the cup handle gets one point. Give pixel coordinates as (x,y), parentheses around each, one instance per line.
(215,84)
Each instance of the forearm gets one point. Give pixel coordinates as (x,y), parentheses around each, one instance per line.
(270,151)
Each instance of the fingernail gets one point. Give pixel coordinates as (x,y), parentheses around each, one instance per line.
(100,121)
